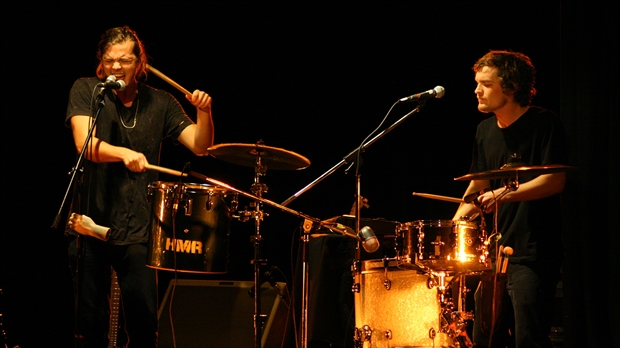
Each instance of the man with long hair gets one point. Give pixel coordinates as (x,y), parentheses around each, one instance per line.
(112,190)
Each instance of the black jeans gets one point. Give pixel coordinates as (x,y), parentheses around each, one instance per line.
(91,265)
(527,307)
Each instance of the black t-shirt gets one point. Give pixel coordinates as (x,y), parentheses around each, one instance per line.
(109,193)
(531,228)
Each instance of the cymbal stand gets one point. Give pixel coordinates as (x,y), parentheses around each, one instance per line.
(258,189)
(257,214)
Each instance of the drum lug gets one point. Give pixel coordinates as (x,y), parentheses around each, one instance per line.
(209,204)
(432,333)
(387,284)
(355,266)
(189,204)
(430,283)
(388,334)
(355,288)
(365,334)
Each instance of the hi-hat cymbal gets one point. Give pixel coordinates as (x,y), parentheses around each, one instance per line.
(515,171)
(248,154)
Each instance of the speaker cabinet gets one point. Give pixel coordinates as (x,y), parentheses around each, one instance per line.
(214,313)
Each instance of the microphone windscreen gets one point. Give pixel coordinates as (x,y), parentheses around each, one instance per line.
(371,244)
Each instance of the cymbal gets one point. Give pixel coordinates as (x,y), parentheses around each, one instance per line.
(514,171)
(247,155)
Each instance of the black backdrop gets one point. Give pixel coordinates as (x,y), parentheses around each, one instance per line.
(315,79)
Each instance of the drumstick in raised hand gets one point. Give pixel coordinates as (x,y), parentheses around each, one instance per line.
(169,80)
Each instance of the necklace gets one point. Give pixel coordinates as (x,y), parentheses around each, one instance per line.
(135,116)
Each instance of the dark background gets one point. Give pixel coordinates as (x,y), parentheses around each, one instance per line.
(314,78)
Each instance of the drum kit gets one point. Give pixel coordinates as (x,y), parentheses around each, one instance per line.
(403,301)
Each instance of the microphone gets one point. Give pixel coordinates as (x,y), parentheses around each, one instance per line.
(370,243)
(110,82)
(436,92)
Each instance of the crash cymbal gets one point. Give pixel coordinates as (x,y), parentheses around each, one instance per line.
(247,155)
(514,171)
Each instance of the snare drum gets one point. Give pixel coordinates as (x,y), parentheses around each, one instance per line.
(441,245)
(189,227)
(397,308)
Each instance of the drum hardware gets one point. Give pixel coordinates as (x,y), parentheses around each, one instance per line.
(203,217)
(248,155)
(262,157)
(508,171)
(387,283)
(453,317)
(363,334)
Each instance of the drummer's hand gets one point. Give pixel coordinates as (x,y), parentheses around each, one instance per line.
(488,202)
(135,161)
(201,100)
(84,225)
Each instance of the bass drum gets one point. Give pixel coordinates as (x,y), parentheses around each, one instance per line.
(190,227)
(397,308)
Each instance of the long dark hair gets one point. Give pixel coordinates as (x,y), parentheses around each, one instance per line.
(119,35)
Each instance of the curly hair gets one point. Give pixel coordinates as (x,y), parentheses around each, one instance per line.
(119,35)
(516,71)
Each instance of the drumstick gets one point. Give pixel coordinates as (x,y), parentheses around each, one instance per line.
(498,263)
(165,170)
(169,80)
(442,198)
(507,252)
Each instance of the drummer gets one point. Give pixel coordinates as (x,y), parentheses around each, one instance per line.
(112,189)
(528,218)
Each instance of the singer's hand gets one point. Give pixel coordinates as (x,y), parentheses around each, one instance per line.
(84,225)
(201,100)
(135,161)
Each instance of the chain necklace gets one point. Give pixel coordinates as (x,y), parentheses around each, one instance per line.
(135,116)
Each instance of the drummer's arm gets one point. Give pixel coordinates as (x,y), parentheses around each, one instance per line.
(542,186)
(468,209)
(199,137)
(99,151)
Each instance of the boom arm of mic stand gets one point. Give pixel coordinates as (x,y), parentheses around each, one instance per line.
(344,161)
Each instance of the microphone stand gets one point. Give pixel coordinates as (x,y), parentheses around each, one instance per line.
(358,205)
(348,158)
(100,102)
